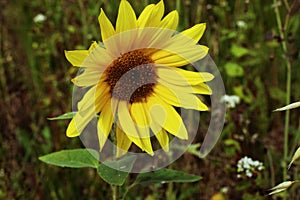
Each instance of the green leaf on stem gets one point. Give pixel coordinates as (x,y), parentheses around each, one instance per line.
(115,172)
(75,158)
(165,176)
(68,115)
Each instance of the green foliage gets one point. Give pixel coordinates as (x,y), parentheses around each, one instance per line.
(75,158)
(164,176)
(244,42)
(234,69)
(115,172)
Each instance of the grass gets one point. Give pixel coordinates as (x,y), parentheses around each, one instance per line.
(35,84)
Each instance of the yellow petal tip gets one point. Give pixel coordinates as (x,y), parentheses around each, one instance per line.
(72,130)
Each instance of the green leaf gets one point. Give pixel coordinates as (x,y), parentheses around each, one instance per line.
(115,172)
(164,176)
(75,158)
(68,115)
(233,69)
(238,51)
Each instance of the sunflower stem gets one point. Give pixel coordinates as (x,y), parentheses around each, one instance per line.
(282,30)
(115,191)
(115,188)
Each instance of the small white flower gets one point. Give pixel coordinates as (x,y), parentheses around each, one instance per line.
(39,18)
(247,167)
(260,168)
(230,100)
(241,24)
(224,190)
(248,173)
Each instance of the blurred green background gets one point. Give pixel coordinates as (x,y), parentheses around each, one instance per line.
(245,44)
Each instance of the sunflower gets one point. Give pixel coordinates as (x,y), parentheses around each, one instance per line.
(135,80)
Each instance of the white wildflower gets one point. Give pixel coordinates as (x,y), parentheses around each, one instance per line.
(241,24)
(39,18)
(248,167)
(230,100)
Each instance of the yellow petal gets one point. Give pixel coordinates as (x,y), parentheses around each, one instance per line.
(166,116)
(123,142)
(104,124)
(139,115)
(126,30)
(179,99)
(151,15)
(141,118)
(81,119)
(126,17)
(93,46)
(143,143)
(126,122)
(96,96)
(76,57)
(195,32)
(182,77)
(88,78)
(147,147)
(176,55)
(106,28)
(76,125)
(170,21)
(161,135)
(202,88)
(144,137)
(144,16)
(163,139)
(155,38)
(98,59)
(128,126)
(87,110)
(195,77)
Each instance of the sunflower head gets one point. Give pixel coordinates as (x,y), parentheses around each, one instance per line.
(135,78)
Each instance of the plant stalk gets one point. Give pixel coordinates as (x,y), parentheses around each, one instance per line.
(115,191)
(288,87)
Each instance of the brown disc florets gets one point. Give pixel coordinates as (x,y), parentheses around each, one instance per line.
(131,77)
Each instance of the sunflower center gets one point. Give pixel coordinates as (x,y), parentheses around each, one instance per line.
(131,77)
